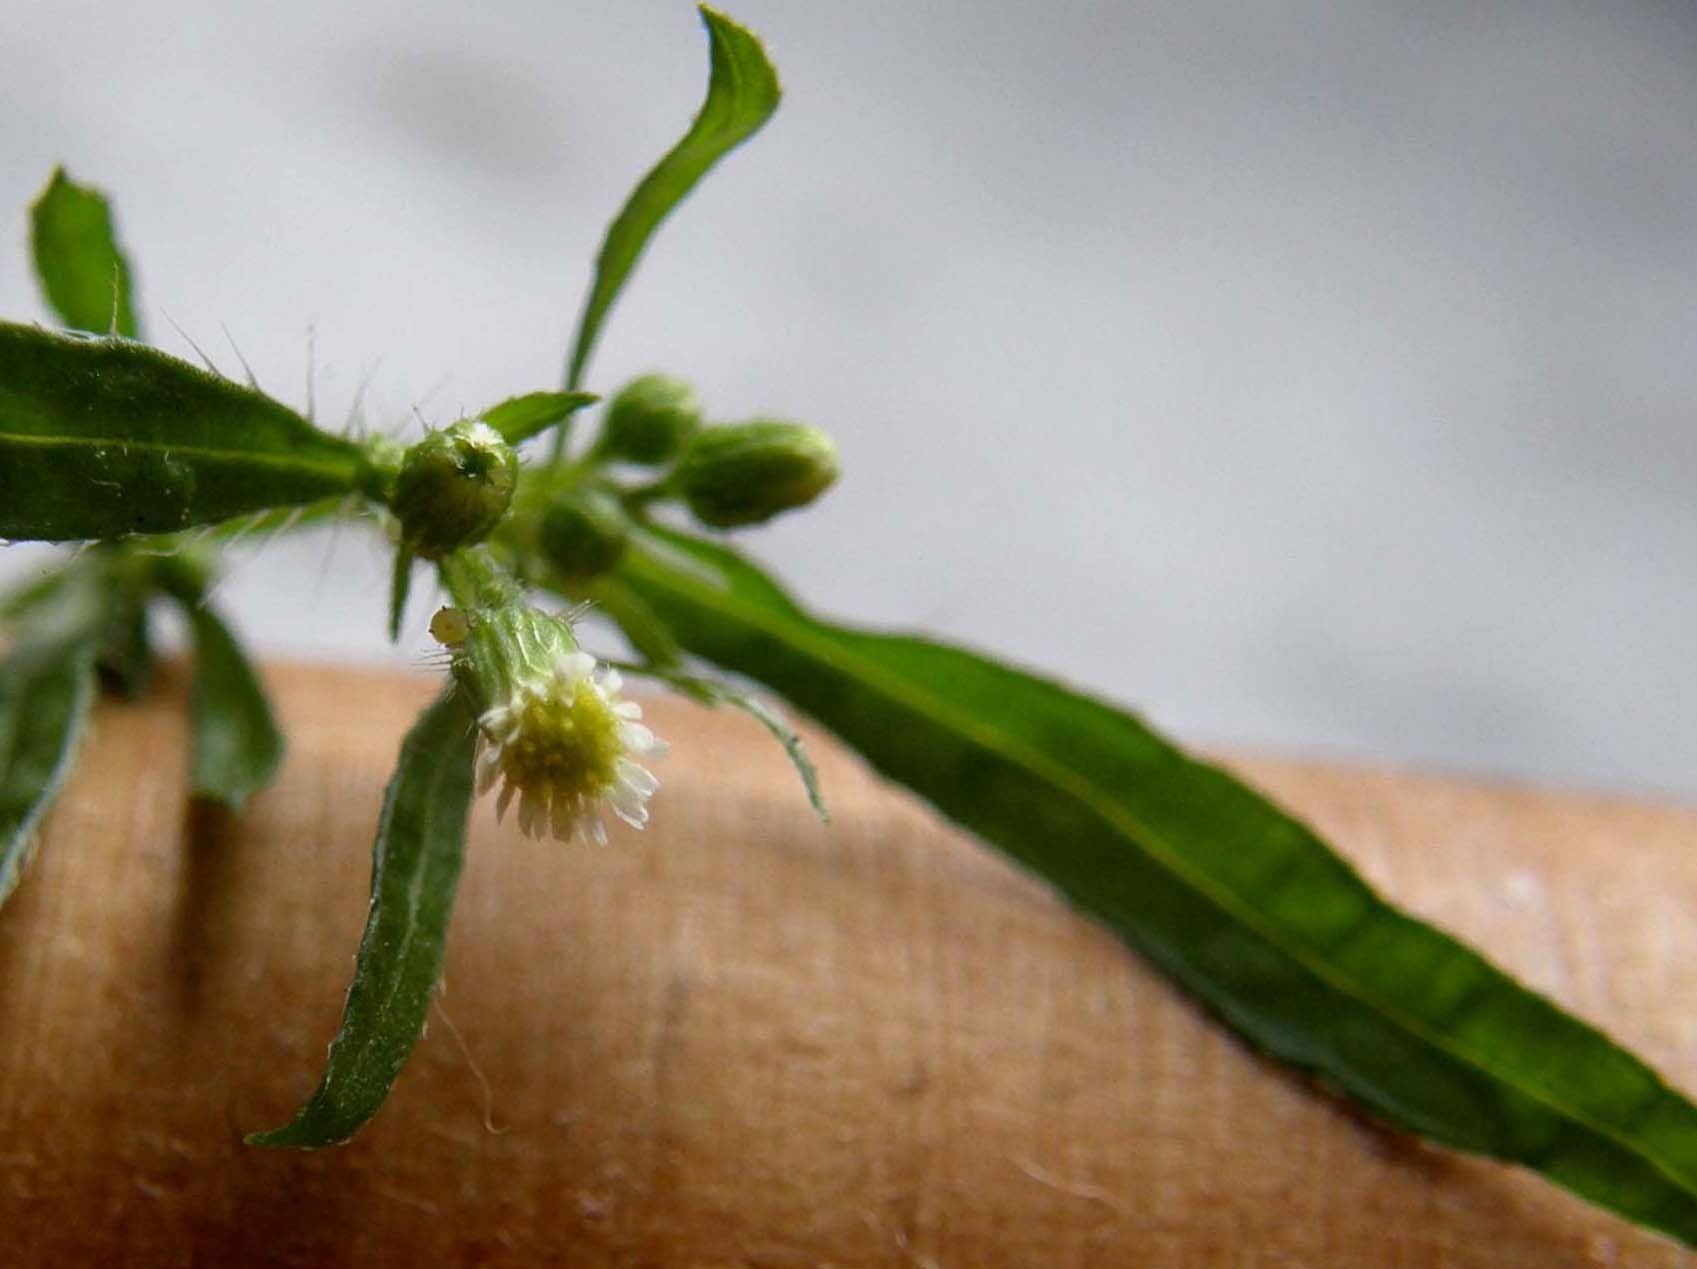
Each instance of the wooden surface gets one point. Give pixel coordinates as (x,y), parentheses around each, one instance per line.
(743,1039)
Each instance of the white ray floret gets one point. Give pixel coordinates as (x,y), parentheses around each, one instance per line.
(566,746)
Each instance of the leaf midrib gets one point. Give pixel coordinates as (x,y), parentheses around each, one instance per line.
(441,769)
(338,469)
(937,708)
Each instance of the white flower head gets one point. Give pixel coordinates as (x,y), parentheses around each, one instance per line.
(565,745)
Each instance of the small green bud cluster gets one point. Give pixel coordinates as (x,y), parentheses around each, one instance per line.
(452,488)
(575,521)
(583,534)
(745,473)
(650,420)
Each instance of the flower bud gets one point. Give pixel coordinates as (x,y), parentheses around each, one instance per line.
(743,473)
(453,488)
(650,419)
(583,535)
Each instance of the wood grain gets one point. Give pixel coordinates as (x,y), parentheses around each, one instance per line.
(745,1039)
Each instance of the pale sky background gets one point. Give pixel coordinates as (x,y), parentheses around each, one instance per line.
(1314,377)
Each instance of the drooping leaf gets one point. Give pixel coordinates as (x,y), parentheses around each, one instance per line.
(742,93)
(785,735)
(236,746)
(518,419)
(25,598)
(420,842)
(102,438)
(640,625)
(125,661)
(1240,903)
(123,582)
(82,269)
(711,692)
(47,685)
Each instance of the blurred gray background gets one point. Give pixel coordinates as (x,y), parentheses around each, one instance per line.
(1313,377)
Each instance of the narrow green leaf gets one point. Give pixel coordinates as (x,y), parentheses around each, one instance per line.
(710,692)
(23,599)
(47,684)
(642,628)
(400,586)
(125,661)
(420,842)
(237,747)
(786,736)
(82,269)
(742,93)
(102,438)
(1239,902)
(518,419)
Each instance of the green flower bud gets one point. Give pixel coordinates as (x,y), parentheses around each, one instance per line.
(650,419)
(743,473)
(453,488)
(584,534)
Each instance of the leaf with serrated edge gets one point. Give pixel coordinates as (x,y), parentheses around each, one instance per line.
(416,869)
(101,438)
(82,269)
(1240,903)
(742,93)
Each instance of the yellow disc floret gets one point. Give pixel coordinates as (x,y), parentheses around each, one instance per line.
(563,744)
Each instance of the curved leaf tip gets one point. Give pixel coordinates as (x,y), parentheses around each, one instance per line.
(416,870)
(742,93)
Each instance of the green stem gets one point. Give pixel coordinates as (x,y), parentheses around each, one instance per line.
(638,498)
(476,581)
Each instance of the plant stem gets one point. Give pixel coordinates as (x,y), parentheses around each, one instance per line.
(476,581)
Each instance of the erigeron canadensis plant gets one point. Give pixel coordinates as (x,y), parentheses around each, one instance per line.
(156,467)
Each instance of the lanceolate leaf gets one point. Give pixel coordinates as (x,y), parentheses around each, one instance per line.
(101,438)
(82,269)
(400,586)
(420,841)
(47,684)
(520,418)
(236,745)
(1237,901)
(742,93)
